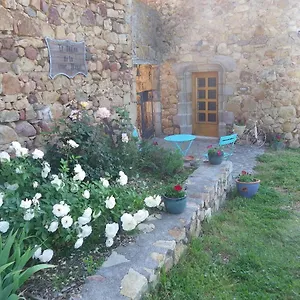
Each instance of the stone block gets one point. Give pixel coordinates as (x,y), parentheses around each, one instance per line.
(53,16)
(25,26)
(10,85)
(23,128)
(6,20)
(88,18)
(7,135)
(7,116)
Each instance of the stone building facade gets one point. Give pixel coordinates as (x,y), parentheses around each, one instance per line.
(29,99)
(254,46)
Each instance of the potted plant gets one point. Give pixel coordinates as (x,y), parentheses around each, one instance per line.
(278,142)
(239,125)
(247,185)
(174,198)
(215,155)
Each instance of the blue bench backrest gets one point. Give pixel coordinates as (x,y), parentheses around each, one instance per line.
(228,139)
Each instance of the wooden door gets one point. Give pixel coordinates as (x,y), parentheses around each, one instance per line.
(205,104)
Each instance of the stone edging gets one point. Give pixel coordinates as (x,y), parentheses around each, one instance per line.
(130,271)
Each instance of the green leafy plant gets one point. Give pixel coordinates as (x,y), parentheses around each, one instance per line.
(246,177)
(13,260)
(214,151)
(174,191)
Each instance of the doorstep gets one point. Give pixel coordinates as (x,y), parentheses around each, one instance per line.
(130,271)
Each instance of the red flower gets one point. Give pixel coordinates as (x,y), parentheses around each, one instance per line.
(155,143)
(219,152)
(178,188)
(244,172)
(210,146)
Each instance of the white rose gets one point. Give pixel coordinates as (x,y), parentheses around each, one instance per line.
(53,226)
(35,184)
(111,230)
(78,243)
(19,170)
(87,212)
(29,214)
(37,154)
(72,144)
(141,215)
(56,182)
(4,156)
(4,226)
(105,182)
(15,146)
(85,231)
(102,113)
(123,179)
(125,138)
(61,209)
(46,256)
(109,242)
(152,201)
(66,221)
(46,169)
(26,203)
(37,253)
(77,168)
(79,176)
(86,194)
(21,152)
(84,220)
(110,202)
(1,198)
(128,222)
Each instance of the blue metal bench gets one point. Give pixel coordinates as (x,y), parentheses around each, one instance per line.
(228,142)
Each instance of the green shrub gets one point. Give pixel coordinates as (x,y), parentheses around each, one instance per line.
(159,161)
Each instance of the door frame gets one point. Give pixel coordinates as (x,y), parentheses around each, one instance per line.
(195,98)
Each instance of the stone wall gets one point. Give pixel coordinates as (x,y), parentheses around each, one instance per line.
(254,45)
(28,97)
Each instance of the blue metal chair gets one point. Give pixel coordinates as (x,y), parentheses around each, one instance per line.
(228,142)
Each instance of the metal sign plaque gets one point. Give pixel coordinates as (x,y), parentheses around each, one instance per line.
(66,58)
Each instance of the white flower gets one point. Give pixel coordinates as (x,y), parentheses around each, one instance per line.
(1,198)
(26,203)
(61,209)
(152,201)
(128,222)
(56,182)
(4,156)
(46,169)
(11,187)
(66,221)
(141,215)
(87,212)
(84,220)
(86,230)
(123,179)
(105,182)
(86,194)
(35,199)
(72,144)
(103,113)
(21,152)
(35,184)
(111,230)
(15,146)
(74,187)
(46,256)
(110,202)
(37,154)
(78,243)
(53,226)
(125,138)
(79,173)
(37,253)
(4,226)
(19,170)
(29,214)
(109,242)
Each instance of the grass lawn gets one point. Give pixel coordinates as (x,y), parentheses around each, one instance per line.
(250,249)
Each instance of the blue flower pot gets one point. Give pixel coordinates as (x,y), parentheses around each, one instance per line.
(174,205)
(215,159)
(247,189)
